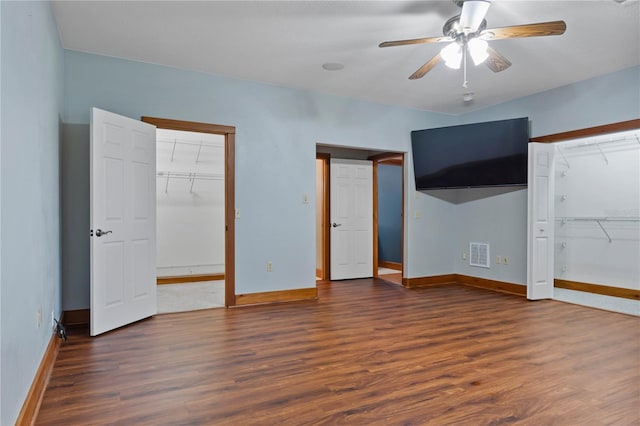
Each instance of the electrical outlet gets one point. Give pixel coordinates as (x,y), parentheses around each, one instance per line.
(505,260)
(464,256)
(418,214)
(498,259)
(269,266)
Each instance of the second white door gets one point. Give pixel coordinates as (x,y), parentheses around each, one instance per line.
(540,222)
(351,221)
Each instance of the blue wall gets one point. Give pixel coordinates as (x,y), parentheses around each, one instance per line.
(31,97)
(390,213)
(281,126)
(499,217)
(602,100)
(277,132)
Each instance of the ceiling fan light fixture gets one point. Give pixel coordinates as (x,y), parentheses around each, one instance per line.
(478,50)
(451,54)
(473,12)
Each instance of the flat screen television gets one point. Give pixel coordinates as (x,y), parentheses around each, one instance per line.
(472,155)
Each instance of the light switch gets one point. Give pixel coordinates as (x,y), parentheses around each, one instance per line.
(305,199)
(237,213)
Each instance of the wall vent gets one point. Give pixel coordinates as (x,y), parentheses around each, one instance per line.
(479,255)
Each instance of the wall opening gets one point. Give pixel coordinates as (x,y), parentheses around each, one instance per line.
(190,220)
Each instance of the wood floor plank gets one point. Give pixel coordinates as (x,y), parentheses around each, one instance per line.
(366,352)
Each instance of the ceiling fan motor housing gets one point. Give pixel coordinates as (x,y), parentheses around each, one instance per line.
(453,29)
(459,3)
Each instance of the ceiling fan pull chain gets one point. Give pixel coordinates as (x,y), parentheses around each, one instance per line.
(465,84)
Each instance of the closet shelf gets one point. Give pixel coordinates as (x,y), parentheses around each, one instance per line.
(630,138)
(597,144)
(199,144)
(598,220)
(191,176)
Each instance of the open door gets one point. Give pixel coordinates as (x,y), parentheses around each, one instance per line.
(351,183)
(122,220)
(540,226)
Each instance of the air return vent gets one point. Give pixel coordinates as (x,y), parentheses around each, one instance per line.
(479,254)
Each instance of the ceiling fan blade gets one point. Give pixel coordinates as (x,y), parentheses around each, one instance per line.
(527,30)
(496,62)
(472,15)
(415,41)
(426,67)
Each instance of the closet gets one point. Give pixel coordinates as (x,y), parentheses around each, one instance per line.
(597,213)
(190,206)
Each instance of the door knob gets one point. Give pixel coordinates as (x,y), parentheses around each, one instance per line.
(335,225)
(100,232)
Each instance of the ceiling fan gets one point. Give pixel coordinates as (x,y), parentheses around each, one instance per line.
(468,33)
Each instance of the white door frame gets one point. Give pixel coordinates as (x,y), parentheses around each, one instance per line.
(325,157)
(229,132)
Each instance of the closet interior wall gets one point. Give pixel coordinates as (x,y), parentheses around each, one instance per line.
(190,203)
(597,210)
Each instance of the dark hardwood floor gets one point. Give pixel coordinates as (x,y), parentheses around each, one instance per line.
(367,352)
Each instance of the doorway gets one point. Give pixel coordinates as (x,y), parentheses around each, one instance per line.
(391,271)
(190,220)
(388,169)
(228,173)
(322,216)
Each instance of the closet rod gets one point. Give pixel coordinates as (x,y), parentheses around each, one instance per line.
(193,176)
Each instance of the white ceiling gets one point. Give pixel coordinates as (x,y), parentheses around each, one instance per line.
(285,43)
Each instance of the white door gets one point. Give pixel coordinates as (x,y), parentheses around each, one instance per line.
(540,221)
(123,221)
(351,221)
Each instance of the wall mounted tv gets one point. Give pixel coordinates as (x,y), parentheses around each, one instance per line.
(471,155)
